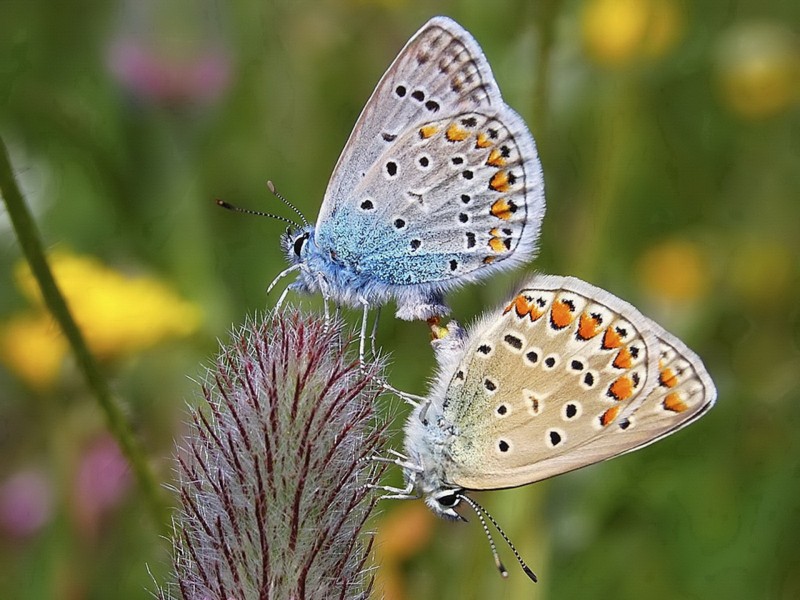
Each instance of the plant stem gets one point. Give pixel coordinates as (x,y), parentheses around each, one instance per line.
(31,245)
(546,24)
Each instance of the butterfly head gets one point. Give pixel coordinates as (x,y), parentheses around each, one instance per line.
(295,243)
(439,497)
(443,503)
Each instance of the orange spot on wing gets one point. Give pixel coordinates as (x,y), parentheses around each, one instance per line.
(608,417)
(611,339)
(454,133)
(624,359)
(621,388)
(487,260)
(667,378)
(588,326)
(499,182)
(502,209)
(428,131)
(561,314)
(497,244)
(483,141)
(496,159)
(674,403)
(522,306)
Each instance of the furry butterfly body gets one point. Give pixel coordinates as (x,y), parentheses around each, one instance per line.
(439,185)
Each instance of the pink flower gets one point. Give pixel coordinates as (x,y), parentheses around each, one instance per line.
(102,480)
(170,80)
(26,503)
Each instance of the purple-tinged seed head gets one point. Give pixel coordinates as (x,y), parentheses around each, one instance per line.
(271,478)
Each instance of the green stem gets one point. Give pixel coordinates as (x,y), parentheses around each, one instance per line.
(29,240)
(546,25)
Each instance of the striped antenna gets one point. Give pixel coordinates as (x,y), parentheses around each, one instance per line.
(280,197)
(258,213)
(478,510)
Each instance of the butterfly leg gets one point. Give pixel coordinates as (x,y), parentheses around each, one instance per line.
(423,414)
(406,493)
(281,275)
(362,350)
(373,335)
(281,298)
(411,399)
(323,288)
(399,455)
(363,337)
(399,460)
(395,493)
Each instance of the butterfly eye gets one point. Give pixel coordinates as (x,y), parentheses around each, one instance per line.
(299,243)
(448,501)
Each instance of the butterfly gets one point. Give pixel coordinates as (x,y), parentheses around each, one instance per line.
(563,376)
(439,185)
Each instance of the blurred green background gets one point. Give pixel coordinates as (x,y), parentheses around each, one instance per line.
(669,135)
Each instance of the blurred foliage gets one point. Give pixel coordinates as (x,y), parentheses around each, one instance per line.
(668,135)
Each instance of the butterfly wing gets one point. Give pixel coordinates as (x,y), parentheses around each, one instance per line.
(684,393)
(440,179)
(578,376)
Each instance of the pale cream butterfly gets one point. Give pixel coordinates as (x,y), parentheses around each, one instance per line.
(563,376)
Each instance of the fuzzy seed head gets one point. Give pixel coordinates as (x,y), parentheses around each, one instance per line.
(271,479)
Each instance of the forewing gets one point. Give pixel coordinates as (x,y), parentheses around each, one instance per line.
(440,65)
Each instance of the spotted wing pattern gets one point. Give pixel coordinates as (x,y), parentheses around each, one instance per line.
(438,164)
(567,375)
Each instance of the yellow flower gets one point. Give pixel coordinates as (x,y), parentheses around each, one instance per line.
(758,69)
(762,271)
(675,270)
(619,32)
(117,314)
(32,347)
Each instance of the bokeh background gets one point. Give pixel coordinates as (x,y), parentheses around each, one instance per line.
(669,134)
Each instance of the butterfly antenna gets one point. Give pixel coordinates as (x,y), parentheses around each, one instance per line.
(258,213)
(480,511)
(283,199)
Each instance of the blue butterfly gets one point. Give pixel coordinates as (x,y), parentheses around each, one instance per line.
(439,185)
